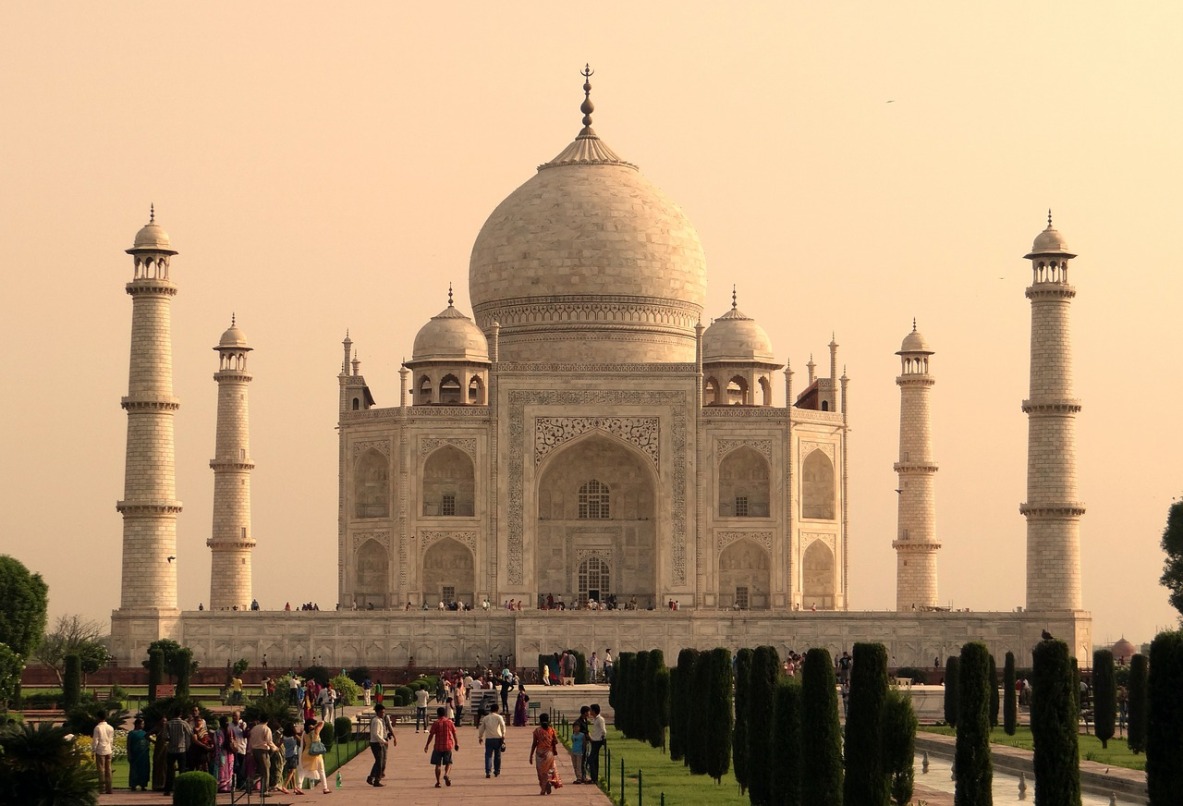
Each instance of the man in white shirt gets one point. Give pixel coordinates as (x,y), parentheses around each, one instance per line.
(598,734)
(260,743)
(492,727)
(103,746)
(421,698)
(381,735)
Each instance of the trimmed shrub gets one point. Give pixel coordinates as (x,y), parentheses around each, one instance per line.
(993,680)
(917,676)
(348,692)
(866,783)
(1164,730)
(622,678)
(718,713)
(343,728)
(327,736)
(403,695)
(698,725)
(635,698)
(952,681)
(265,709)
(681,681)
(786,742)
(652,729)
(821,732)
(973,770)
(739,738)
(358,674)
(1053,726)
(1010,696)
(1104,696)
(661,698)
(761,685)
(1138,703)
(72,682)
(155,672)
(318,673)
(899,746)
(195,789)
(185,668)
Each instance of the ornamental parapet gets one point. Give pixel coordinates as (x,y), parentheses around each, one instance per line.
(237,543)
(917,379)
(1051,291)
(222,464)
(231,375)
(915,467)
(149,286)
(917,545)
(1062,509)
(150,404)
(1062,406)
(142,508)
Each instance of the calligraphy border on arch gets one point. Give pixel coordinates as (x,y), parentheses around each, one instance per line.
(763,446)
(809,447)
(380,445)
(552,432)
(520,398)
(429,444)
(426,539)
(381,536)
(725,539)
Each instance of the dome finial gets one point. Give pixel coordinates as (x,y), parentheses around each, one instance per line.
(733,302)
(233,319)
(449,295)
(587,107)
(1049,218)
(913,324)
(152,213)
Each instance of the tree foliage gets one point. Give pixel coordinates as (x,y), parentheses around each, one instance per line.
(24,598)
(1172,545)
(821,732)
(72,682)
(174,660)
(786,742)
(73,635)
(762,683)
(681,695)
(1164,730)
(1104,696)
(654,705)
(952,690)
(1054,721)
(994,702)
(974,772)
(698,727)
(41,767)
(661,698)
(718,713)
(866,782)
(1010,696)
(155,671)
(899,746)
(10,675)
(739,738)
(1138,703)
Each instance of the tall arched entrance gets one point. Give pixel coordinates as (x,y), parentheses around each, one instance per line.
(448,574)
(745,577)
(818,585)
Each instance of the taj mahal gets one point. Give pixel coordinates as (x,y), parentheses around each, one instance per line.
(589,433)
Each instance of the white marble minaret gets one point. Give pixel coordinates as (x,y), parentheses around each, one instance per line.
(148,605)
(1052,509)
(230,539)
(916,543)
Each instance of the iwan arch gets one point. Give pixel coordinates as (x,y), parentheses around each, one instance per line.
(589,433)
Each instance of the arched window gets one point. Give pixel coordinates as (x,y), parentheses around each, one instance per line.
(450,391)
(765,392)
(593,501)
(424,391)
(371,488)
(818,582)
(356,404)
(449,488)
(817,486)
(737,392)
(710,396)
(476,391)
(743,485)
(594,582)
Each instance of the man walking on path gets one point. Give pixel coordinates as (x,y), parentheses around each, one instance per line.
(421,698)
(381,735)
(492,729)
(180,736)
(598,734)
(443,731)
(103,746)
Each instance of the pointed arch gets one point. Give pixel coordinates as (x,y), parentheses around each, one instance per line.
(744,489)
(476,391)
(371,574)
(371,485)
(817,486)
(710,392)
(450,392)
(745,576)
(449,573)
(818,584)
(765,391)
(737,391)
(425,391)
(449,484)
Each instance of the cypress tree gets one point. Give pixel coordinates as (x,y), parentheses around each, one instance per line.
(739,739)
(1138,703)
(786,742)
(1075,682)
(698,726)
(1164,730)
(635,701)
(614,685)
(681,701)
(899,746)
(1010,696)
(661,698)
(952,681)
(866,783)
(762,682)
(1104,696)
(623,684)
(1053,726)
(717,742)
(974,772)
(155,672)
(72,682)
(652,706)
(184,671)
(821,732)
(993,678)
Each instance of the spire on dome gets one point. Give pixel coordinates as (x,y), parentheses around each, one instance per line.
(152,213)
(233,319)
(733,298)
(1049,218)
(449,294)
(587,107)
(587,148)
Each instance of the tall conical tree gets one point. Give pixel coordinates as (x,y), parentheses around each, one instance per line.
(699,726)
(661,699)
(975,774)
(635,700)
(739,739)
(1054,721)
(821,732)
(654,706)
(866,784)
(184,671)
(1104,696)
(899,746)
(1164,732)
(763,675)
(72,682)
(1010,696)
(681,703)
(994,702)
(952,682)
(719,710)
(786,742)
(1138,703)
(155,672)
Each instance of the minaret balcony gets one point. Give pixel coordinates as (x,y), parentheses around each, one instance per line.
(1050,291)
(1061,406)
(139,403)
(915,467)
(1054,510)
(149,508)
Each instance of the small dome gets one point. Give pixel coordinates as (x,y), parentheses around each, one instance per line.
(1050,242)
(914,342)
(233,337)
(735,337)
(450,336)
(152,237)
(1123,650)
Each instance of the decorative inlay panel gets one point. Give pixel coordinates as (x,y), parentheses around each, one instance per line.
(429,444)
(380,445)
(825,447)
(725,539)
(763,446)
(427,538)
(519,399)
(382,536)
(551,432)
(809,538)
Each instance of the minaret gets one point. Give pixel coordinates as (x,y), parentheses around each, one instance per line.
(148,604)
(916,543)
(231,541)
(1052,509)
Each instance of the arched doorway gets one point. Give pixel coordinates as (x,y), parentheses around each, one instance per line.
(817,486)
(372,575)
(595,581)
(743,485)
(745,577)
(449,486)
(817,584)
(448,574)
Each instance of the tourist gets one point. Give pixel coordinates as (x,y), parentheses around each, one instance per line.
(443,731)
(593,667)
(159,754)
(201,750)
(378,692)
(542,755)
(180,736)
(521,716)
(506,685)
(224,754)
(327,700)
(381,737)
(291,759)
(492,728)
(580,744)
(137,757)
(312,763)
(103,746)
(421,697)
(366,689)
(598,735)
(259,744)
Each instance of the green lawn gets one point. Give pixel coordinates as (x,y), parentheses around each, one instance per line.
(1117,754)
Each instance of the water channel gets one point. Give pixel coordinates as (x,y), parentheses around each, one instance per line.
(1006,785)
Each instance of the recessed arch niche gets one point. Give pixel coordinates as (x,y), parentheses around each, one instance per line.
(371,486)
(744,484)
(448,572)
(745,576)
(817,583)
(817,486)
(449,484)
(372,574)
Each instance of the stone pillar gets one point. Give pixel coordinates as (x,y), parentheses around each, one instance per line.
(148,603)
(916,543)
(1052,509)
(231,542)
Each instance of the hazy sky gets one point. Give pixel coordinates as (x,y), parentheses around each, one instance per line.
(848,166)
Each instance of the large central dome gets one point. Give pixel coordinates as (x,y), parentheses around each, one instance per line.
(589,262)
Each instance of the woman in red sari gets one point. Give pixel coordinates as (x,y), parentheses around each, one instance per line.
(542,752)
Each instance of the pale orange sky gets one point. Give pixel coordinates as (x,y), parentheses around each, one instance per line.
(848,167)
